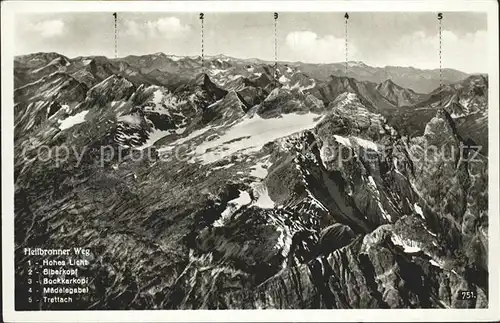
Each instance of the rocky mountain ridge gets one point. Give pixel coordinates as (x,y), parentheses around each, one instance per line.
(232,187)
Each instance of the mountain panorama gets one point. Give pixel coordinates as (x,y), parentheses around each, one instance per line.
(238,186)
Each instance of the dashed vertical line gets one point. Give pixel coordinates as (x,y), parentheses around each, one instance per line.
(275,47)
(202,16)
(116,38)
(440,17)
(346,16)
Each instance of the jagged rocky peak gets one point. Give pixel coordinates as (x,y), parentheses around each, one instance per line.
(476,86)
(220,61)
(113,88)
(262,80)
(388,85)
(236,100)
(441,129)
(204,82)
(228,109)
(37,60)
(160,54)
(201,79)
(115,81)
(356,64)
(348,107)
(277,93)
(336,85)
(344,99)
(334,237)
(444,181)
(477,80)
(341,80)
(282,100)
(389,82)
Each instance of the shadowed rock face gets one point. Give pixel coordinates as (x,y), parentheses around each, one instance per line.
(397,94)
(334,237)
(466,102)
(232,189)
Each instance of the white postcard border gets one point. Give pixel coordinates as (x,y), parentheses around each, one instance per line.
(9,9)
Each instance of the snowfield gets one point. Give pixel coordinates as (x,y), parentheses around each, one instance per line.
(260,169)
(233,206)
(255,133)
(73,120)
(154,136)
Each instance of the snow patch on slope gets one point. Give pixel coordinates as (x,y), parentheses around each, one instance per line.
(216,71)
(175,58)
(260,169)
(418,209)
(284,79)
(342,140)
(284,241)
(131,119)
(223,167)
(366,143)
(409,246)
(386,215)
(73,120)
(154,136)
(233,206)
(264,200)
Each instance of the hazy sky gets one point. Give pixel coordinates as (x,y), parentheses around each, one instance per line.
(378,39)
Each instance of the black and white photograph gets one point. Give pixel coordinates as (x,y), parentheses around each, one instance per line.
(206,159)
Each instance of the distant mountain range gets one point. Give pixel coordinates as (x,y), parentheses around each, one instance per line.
(418,80)
(231,186)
